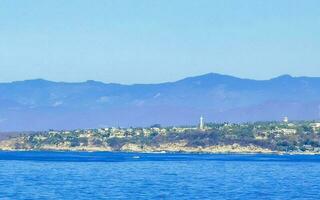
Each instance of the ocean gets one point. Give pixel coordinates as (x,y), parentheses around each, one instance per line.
(102,175)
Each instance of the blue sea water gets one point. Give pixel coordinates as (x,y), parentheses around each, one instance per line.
(80,175)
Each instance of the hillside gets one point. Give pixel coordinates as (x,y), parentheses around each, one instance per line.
(260,137)
(42,105)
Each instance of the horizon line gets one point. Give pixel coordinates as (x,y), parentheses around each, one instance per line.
(164,82)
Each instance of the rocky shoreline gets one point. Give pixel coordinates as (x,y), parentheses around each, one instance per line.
(163,148)
(247,138)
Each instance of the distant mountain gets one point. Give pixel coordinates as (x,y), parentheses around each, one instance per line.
(41,105)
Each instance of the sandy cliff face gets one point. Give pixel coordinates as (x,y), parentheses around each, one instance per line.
(182,147)
(11,144)
(19,144)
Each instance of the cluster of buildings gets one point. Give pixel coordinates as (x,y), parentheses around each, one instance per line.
(279,129)
(130,132)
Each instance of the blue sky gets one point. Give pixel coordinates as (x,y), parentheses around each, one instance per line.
(137,41)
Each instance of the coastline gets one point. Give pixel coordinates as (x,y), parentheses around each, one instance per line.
(299,138)
(177,147)
(96,150)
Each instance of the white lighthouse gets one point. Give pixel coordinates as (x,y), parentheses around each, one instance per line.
(286,119)
(201,125)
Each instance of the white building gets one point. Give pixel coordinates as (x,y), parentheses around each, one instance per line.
(201,125)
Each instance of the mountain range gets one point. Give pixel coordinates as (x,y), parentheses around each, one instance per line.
(41,105)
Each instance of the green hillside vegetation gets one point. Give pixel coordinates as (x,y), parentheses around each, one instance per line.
(275,136)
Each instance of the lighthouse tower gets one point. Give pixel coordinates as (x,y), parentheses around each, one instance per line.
(286,119)
(201,125)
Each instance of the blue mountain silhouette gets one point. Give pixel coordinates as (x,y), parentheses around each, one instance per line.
(41,105)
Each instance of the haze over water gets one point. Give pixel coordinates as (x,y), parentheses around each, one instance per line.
(74,175)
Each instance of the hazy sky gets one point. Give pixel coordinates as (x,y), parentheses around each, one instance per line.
(130,41)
